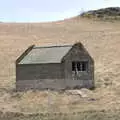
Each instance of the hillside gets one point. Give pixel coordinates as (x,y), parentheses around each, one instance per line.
(111,13)
(101,39)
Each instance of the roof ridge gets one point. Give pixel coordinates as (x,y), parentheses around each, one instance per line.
(36,47)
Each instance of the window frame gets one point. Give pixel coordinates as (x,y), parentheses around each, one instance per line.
(80,66)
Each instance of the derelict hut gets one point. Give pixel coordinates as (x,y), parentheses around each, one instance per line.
(55,67)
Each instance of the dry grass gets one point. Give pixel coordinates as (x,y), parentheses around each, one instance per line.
(102,39)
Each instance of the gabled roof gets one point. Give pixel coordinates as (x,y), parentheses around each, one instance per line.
(49,54)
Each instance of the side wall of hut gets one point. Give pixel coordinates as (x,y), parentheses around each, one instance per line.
(39,76)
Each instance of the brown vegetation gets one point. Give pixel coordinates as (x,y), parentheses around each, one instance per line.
(102,40)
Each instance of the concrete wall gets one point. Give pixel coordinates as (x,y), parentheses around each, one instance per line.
(54,84)
(30,77)
(39,71)
(40,84)
(39,76)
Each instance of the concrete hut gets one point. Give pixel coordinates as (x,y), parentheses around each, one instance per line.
(55,67)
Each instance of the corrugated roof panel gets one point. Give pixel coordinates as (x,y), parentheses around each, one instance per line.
(53,54)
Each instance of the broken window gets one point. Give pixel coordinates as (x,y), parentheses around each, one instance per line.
(79,66)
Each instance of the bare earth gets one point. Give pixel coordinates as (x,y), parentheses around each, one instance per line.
(102,40)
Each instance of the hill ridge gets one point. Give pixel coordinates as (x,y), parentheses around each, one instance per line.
(106,13)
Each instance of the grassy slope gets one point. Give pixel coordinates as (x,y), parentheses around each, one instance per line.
(102,39)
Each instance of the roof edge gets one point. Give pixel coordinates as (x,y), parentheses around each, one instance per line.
(24,54)
(36,47)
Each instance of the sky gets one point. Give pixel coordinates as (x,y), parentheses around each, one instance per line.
(48,10)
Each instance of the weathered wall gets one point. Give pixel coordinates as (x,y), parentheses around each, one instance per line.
(84,78)
(39,71)
(40,84)
(39,76)
(35,77)
(55,84)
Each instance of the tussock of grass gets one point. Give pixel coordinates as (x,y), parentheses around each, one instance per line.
(88,115)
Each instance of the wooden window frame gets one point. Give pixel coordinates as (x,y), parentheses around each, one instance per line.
(80,66)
